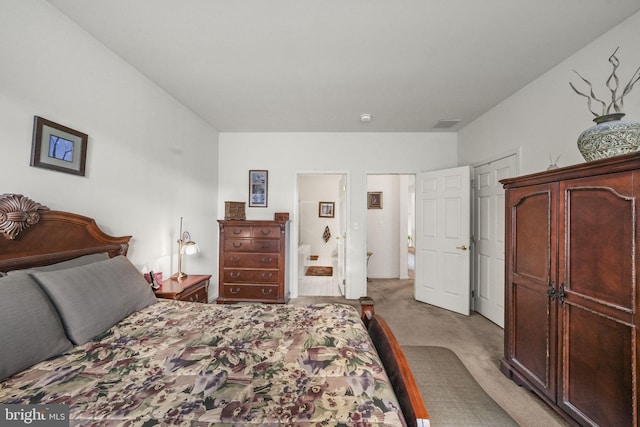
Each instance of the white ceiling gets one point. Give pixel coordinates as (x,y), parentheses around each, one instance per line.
(316,65)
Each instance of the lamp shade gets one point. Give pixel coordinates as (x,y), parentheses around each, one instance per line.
(190,248)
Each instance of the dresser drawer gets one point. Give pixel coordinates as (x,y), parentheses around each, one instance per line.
(250,292)
(266,245)
(251,276)
(239,245)
(270,232)
(197,295)
(252,245)
(238,231)
(244,260)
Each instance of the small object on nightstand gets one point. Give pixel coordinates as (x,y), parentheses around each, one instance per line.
(154,284)
(193,288)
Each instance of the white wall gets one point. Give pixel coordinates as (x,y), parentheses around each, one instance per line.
(149,159)
(355,154)
(545,118)
(313,189)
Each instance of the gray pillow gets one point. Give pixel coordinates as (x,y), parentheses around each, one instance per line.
(30,328)
(92,298)
(75,262)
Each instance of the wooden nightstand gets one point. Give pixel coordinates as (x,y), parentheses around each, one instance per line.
(192,288)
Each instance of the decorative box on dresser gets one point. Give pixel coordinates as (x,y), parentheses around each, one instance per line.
(571,314)
(253,261)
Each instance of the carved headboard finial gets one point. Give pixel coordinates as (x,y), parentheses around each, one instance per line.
(17,213)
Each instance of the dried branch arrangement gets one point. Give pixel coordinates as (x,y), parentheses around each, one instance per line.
(613,84)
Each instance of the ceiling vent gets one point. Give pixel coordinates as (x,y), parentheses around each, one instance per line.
(445,124)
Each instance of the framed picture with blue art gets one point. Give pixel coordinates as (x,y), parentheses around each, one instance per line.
(258,186)
(58,147)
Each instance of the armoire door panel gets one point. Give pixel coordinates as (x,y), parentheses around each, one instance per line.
(597,368)
(531,218)
(530,347)
(601,237)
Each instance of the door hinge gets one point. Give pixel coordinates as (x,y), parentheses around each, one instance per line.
(473,183)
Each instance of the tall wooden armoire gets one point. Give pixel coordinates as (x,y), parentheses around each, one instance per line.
(571,315)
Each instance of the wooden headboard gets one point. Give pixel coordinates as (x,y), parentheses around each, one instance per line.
(33,235)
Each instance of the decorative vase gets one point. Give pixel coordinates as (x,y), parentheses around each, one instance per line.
(611,136)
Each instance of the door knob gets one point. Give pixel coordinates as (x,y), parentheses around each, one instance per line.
(463,247)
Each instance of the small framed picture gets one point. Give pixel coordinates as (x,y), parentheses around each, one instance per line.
(374,200)
(58,147)
(258,187)
(326,209)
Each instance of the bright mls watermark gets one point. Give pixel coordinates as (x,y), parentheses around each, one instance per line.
(34,415)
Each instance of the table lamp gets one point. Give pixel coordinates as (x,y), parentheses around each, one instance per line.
(185,246)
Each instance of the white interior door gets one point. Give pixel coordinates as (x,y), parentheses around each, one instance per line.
(488,230)
(442,276)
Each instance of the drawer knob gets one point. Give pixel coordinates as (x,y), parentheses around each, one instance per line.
(268,291)
(265,232)
(267,275)
(267,260)
(237,244)
(234,275)
(266,245)
(237,231)
(237,291)
(235,260)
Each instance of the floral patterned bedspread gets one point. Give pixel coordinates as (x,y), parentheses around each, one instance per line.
(179,363)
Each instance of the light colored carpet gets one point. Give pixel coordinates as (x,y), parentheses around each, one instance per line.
(476,341)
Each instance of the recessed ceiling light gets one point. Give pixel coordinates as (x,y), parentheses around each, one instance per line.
(365,118)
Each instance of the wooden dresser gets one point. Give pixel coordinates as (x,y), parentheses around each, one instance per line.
(571,315)
(253,261)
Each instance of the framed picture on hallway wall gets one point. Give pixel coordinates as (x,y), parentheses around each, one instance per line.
(326,209)
(258,187)
(58,147)
(374,200)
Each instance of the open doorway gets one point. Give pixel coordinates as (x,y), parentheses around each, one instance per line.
(390,226)
(321,208)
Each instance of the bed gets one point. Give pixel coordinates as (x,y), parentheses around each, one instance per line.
(81,327)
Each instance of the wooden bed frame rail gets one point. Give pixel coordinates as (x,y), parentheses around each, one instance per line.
(396,365)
